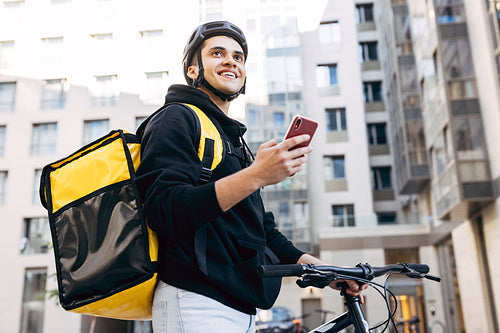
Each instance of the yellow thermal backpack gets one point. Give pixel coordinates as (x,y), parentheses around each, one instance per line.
(105,253)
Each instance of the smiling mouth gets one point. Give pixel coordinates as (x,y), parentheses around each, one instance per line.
(229,75)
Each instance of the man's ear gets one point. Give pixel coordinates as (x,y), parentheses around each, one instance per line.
(192,72)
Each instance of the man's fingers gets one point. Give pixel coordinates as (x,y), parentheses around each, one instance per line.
(296,140)
(269,143)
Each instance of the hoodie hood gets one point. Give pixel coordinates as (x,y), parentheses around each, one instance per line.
(186,94)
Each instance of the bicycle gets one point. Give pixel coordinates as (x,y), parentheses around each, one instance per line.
(322,276)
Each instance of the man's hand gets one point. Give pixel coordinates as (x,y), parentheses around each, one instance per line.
(273,163)
(276,161)
(354,288)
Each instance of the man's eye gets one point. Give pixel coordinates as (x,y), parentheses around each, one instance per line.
(217,53)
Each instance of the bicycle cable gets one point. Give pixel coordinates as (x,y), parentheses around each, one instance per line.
(377,288)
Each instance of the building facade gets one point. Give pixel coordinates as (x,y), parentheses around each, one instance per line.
(428,76)
(404,167)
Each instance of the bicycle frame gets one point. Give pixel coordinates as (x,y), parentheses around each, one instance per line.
(353,316)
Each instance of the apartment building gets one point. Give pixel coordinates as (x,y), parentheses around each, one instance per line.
(455,46)
(416,115)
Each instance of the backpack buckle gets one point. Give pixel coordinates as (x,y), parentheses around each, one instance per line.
(206,174)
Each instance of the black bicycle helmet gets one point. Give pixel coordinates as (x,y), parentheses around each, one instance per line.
(199,35)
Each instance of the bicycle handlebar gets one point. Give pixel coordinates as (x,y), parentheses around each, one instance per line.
(361,271)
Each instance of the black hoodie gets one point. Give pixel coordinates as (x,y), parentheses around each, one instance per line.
(202,248)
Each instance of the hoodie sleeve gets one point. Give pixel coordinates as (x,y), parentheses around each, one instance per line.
(169,173)
(278,243)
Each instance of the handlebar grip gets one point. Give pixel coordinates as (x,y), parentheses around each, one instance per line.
(280,270)
(421,268)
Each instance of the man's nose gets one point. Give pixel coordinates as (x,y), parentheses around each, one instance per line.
(229,60)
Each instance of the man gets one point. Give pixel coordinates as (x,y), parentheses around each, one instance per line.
(214,235)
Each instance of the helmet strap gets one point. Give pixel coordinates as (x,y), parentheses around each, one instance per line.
(200,79)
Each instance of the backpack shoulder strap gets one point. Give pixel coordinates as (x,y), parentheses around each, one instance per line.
(211,148)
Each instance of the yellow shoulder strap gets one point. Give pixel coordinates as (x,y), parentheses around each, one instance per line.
(208,130)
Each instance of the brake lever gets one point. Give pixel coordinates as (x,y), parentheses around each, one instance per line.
(433,278)
(416,275)
(317,280)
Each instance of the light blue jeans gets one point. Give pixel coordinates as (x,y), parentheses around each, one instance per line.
(180,311)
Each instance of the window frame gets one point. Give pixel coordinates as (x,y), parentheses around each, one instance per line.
(347,218)
(380,175)
(37,148)
(327,75)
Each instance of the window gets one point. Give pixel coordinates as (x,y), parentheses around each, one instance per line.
(364,13)
(43,139)
(368,51)
(301,213)
(2,140)
(284,210)
(3,187)
(468,136)
(384,218)
(155,86)
(251,25)
(105,91)
(326,75)
(456,56)
(381,178)
(7,96)
(377,134)
(334,167)
(153,47)
(151,33)
(6,53)
(53,94)
(253,117)
(13,3)
(279,119)
(35,200)
(343,216)
(336,120)
(52,50)
(329,32)
(372,91)
(33,306)
(36,238)
(450,14)
(94,129)
(102,46)
(102,37)
(442,152)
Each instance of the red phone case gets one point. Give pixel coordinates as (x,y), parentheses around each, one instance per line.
(301,125)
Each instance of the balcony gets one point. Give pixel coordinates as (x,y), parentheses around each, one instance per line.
(383,195)
(379,150)
(271,194)
(370,65)
(387,237)
(457,198)
(367,26)
(375,106)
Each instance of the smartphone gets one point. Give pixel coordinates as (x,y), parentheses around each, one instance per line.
(301,125)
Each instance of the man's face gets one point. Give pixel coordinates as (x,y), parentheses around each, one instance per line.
(223,64)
